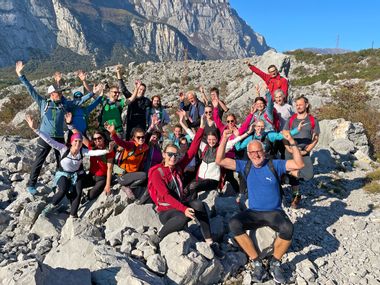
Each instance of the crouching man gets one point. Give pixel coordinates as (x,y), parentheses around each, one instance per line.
(264,202)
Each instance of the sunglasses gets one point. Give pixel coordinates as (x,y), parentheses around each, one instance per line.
(140,137)
(208,112)
(230,121)
(97,138)
(116,92)
(171,154)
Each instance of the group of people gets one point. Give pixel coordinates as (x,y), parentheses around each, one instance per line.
(170,166)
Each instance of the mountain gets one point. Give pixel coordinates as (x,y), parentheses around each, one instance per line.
(327,50)
(125,30)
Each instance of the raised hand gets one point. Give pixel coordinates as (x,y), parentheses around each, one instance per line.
(181,114)
(227,133)
(98,88)
(253,108)
(251,129)
(30,121)
(111,146)
(109,128)
(258,89)
(68,117)
(137,83)
(120,69)
(81,75)
(246,62)
(203,121)
(201,89)
(57,77)
(235,131)
(301,125)
(215,102)
(19,67)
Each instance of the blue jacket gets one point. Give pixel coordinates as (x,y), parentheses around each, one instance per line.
(52,113)
(81,114)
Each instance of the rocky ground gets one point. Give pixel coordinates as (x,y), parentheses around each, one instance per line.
(335,241)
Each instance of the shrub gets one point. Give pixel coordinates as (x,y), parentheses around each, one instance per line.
(372,187)
(350,103)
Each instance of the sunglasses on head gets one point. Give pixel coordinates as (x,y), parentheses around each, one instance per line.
(171,154)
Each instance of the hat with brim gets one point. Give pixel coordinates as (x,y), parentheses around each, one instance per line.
(52,89)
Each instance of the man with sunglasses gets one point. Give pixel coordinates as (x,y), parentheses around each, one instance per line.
(273,79)
(264,202)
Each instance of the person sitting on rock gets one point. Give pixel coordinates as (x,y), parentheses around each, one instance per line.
(267,138)
(273,80)
(160,112)
(284,112)
(70,175)
(195,108)
(175,136)
(138,104)
(154,155)
(264,201)
(52,121)
(306,139)
(173,204)
(130,163)
(100,174)
(209,173)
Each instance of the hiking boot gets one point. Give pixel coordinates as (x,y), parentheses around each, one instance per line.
(48,209)
(32,190)
(216,250)
(259,273)
(128,191)
(295,202)
(276,271)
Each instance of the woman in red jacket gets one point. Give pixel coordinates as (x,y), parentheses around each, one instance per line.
(174,207)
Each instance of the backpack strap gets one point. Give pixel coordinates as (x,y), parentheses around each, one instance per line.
(247,169)
(161,172)
(291,120)
(267,119)
(312,122)
(273,170)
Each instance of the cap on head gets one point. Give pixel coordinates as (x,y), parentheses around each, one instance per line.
(76,136)
(77,95)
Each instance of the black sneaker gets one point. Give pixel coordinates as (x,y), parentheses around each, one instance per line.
(259,273)
(276,271)
(217,252)
(143,198)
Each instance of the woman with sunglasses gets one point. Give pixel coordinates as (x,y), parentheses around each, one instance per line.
(70,175)
(131,161)
(174,206)
(231,126)
(100,174)
(210,126)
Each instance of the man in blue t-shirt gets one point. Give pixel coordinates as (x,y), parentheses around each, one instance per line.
(264,200)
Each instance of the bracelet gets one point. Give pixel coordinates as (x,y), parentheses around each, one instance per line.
(293,144)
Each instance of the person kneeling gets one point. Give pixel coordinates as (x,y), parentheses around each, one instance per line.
(264,199)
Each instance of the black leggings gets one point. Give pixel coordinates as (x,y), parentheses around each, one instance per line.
(174,220)
(64,187)
(133,179)
(203,185)
(251,220)
(98,183)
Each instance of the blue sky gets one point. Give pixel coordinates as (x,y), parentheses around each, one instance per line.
(288,25)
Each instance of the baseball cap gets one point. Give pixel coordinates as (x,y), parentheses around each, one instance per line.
(78,94)
(52,89)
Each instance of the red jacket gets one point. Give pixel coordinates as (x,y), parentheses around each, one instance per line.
(167,197)
(274,83)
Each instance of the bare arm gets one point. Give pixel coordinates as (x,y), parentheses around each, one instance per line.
(221,160)
(297,162)
(107,188)
(223,106)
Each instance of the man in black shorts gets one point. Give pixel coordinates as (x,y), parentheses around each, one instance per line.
(264,199)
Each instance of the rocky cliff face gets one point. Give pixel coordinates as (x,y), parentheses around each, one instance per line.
(154,29)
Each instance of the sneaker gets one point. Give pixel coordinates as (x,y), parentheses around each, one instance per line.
(128,191)
(295,202)
(259,273)
(217,252)
(276,271)
(32,190)
(48,209)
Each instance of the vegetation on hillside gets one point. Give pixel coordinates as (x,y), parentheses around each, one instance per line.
(364,64)
(373,185)
(350,102)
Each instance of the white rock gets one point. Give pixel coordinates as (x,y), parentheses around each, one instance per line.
(156,263)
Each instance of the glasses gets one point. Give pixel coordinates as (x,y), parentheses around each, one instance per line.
(97,138)
(140,137)
(116,92)
(208,112)
(171,154)
(255,151)
(230,121)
